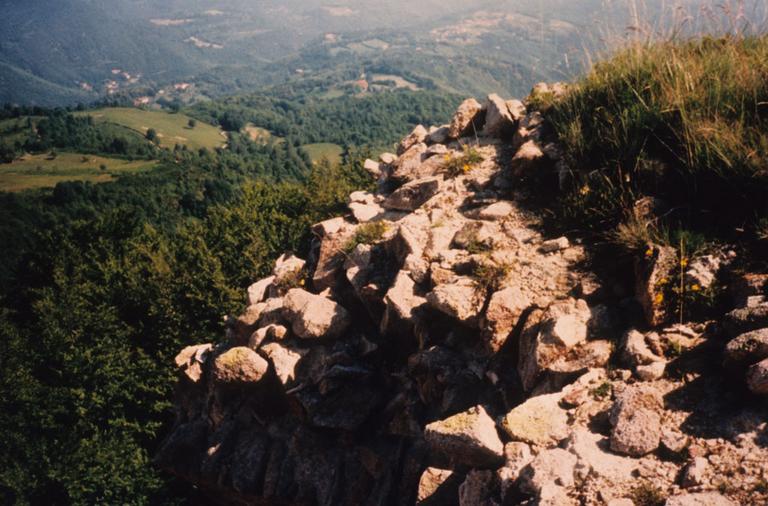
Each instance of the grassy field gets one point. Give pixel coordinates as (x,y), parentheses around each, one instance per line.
(171,128)
(324,150)
(40,171)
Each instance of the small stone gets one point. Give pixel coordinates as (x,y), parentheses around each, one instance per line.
(413,195)
(748,348)
(636,421)
(693,473)
(191,359)
(458,300)
(700,499)
(431,480)
(757,378)
(527,159)
(554,245)
(388,158)
(497,211)
(418,135)
(651,372)
(373,168)
(284,360)
(364,213)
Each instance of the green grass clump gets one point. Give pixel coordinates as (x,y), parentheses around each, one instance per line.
(686,122)
(464,163)
(489,277)
(367,233)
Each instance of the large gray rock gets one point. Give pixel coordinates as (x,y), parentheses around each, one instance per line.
(313,316)
(413,195)
(539,421)
(636,421)
(748,348)
(462,122)
(239,366)
(468,438)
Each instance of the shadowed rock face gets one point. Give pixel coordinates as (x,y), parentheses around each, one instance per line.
(462,357)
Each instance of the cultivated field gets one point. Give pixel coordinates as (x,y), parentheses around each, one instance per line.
(43,171)
(171,128)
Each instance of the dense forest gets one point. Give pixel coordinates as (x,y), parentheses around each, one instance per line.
(102,284)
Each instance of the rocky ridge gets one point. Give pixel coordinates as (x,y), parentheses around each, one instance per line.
(437,348)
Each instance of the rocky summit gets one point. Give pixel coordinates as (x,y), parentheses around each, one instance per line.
(438,346)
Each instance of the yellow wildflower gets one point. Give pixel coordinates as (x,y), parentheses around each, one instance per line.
(695,288)
(466,167)
(683,262)
(649,253)
(658,299)
(301,282)
(585,189)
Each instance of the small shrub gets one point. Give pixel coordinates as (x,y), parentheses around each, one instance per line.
(475,246)
(602,391)
(462,164)
(489,277)
(367,233)
(646,494)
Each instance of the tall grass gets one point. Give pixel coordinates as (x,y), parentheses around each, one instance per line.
(684,120)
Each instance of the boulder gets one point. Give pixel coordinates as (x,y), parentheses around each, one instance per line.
(499,122)
(418,135)
(560,328)
(504,311)
(527,159)
(272,331)
(757,377)
(539,421)
(257,292)
(466,119)
(478,489)
(271,313)
(651,372)
(373,168)
(636,421)
(238,366)
(364,213)
(439,135)
(388,158)
(328,227)
(246,323)
(191,359)
(746,319)
(595,458)
(702,271)
(313,316)
(652,273)
(408,165)
(413,195)
(517,455)
(467,438)
(459,300)
(635,351)
(330,258)
(516,109)
(550,467)
(400,302)
(430,482)
(746,349)
(700,499)
(284,360)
